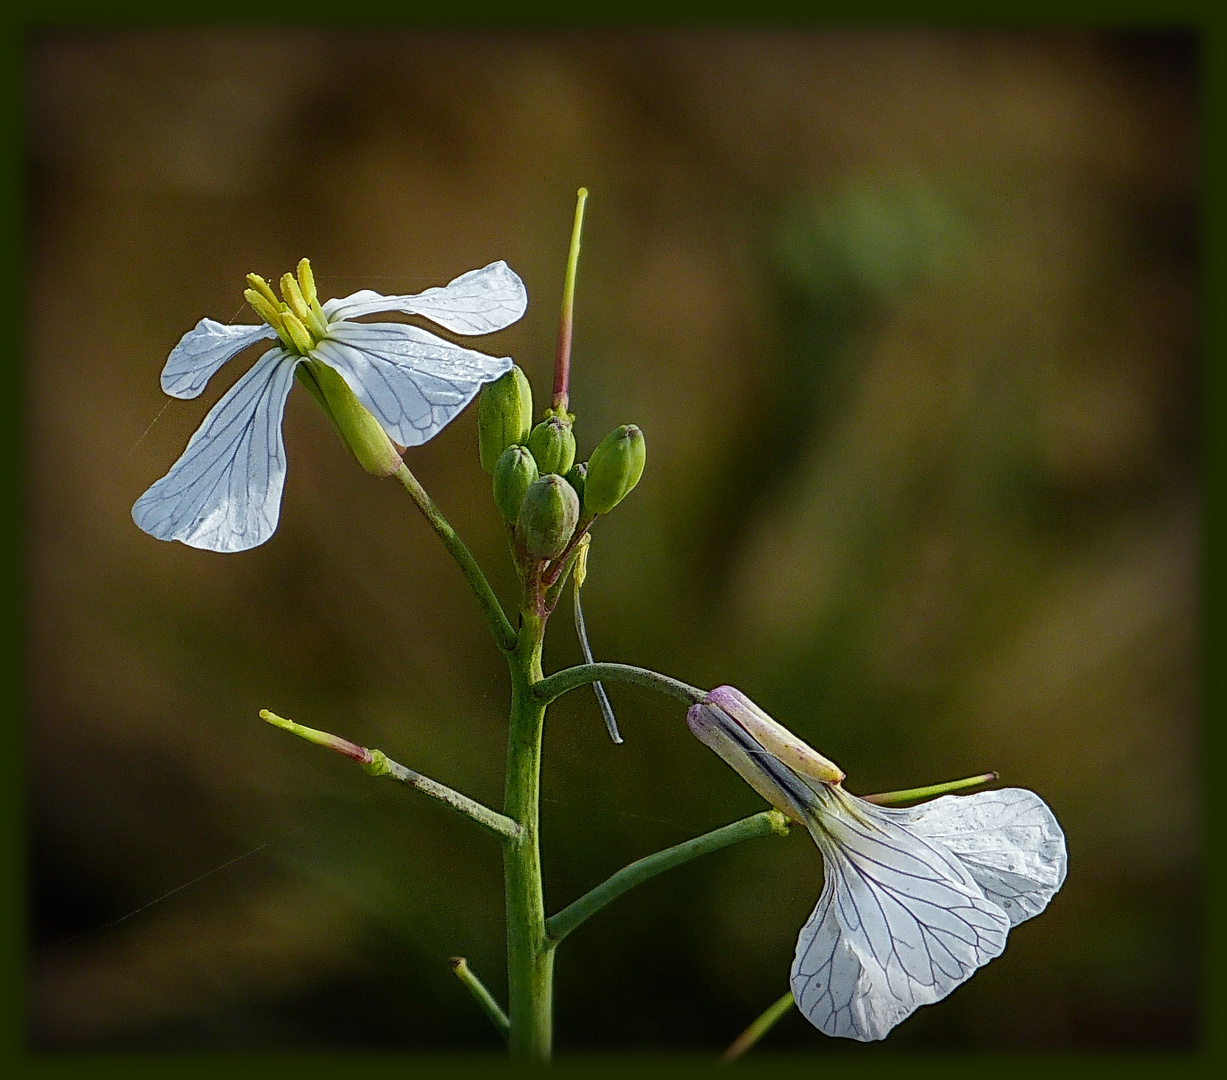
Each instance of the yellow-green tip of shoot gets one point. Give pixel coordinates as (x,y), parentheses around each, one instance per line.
(320,738)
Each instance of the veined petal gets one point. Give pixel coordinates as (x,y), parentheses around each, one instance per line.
(831,986)
(1008,840)
(478,302)
(904,909)
(202,350)
(412,381)
(224,492)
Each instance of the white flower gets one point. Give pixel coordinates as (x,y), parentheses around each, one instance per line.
(915,900)
(224,492)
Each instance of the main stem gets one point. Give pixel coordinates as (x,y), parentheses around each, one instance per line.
(530,952)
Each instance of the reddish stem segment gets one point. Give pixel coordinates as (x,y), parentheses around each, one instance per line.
(562,355)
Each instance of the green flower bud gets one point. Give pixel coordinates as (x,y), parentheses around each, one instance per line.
(359,429)
(576,476)
(553,446)
(504,416)
(614,469)
(547,517)
(515,470)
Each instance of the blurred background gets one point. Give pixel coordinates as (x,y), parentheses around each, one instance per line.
(909,319)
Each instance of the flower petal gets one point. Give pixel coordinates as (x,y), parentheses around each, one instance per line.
(201,351)
(478,302)
(1008,840)
(831,986)
(224,492)
(413,382)
(905,908)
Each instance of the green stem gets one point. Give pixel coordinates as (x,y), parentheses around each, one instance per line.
(530,953)
(769,1018)
(377,763)
(764,824)
(581,675)
(491,820)
(889,798)
(504,633)
(483,996)
(562,354)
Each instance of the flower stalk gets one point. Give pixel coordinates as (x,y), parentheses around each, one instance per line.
(767,823)
(504,633)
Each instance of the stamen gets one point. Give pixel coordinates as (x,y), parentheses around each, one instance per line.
(264,289)
(309,313)
(269,314)
(293,297)
(299,333)
(306,281)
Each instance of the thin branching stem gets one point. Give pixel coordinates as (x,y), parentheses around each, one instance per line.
(554,686)
(765,824)
(481,995)
(377,763)
(504,633)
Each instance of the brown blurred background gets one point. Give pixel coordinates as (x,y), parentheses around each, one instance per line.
(910,321)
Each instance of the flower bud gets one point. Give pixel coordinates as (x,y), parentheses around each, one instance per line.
(576,477)
(614,469)
(553,446)
(360,430)
(774,737)
(515,471)
(769,757)
(547,517)
(504,416)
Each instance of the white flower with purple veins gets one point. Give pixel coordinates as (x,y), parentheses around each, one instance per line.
(224,492)
(914,900)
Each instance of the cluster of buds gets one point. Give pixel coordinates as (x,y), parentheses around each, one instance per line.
(547,498)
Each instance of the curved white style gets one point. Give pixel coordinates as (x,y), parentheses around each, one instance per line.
(914,900)
(224,492)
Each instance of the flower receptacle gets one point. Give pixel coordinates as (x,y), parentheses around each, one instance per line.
(361,432)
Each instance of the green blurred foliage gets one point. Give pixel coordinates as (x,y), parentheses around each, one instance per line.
(909,320)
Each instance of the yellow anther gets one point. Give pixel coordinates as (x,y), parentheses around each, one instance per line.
(293,298)
(306,281)
(264,289)
(299,334)
(268,312)
(316,324)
